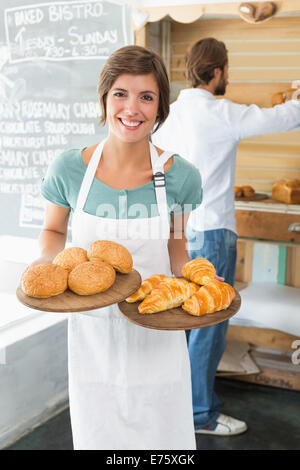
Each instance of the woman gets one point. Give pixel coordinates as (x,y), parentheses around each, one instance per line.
(129,386)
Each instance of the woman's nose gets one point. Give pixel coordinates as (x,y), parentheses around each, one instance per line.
(131,107)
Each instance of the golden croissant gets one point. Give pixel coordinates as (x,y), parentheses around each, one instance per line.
(170,293)
(199,270)
(146,287)
(212,297)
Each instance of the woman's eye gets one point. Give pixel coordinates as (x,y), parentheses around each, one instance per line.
(119,94)
(147,98)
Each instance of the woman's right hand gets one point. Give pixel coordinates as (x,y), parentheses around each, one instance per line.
(41,260)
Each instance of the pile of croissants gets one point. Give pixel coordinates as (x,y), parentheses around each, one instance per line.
(198,293)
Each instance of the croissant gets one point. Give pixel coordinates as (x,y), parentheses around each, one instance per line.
(210,298)
(146,287)
(170,293)
(199,270)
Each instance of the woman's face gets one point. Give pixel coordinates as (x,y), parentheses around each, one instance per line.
(132,107)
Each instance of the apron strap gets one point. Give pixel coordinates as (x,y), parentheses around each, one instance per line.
(159,180)
(89,175)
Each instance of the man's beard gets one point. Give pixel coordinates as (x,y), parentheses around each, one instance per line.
(221,87)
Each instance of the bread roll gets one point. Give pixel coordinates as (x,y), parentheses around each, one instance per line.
(287,191)
(70,258)
(238,191)
(243,191)
(91,278)
(111,252)
(248,191)
(44,280)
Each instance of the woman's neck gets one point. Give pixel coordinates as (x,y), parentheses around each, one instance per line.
(117,154)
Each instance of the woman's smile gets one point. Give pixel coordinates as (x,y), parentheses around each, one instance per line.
(131,125)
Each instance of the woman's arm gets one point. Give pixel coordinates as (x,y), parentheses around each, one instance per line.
(52,238)
(177,243)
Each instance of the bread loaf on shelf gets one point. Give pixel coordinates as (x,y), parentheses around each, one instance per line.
(287,191)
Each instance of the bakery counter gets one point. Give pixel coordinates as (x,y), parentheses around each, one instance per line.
(268,220)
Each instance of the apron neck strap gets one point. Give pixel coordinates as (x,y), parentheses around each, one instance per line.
(89,175)
(159,181)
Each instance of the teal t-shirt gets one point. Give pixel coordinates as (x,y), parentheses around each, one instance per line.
(64,176)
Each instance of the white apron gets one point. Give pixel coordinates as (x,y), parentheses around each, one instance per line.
(129,386)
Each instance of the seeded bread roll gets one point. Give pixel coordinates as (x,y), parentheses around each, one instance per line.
(44,280)
(91,278)
(70,258)
(111,252)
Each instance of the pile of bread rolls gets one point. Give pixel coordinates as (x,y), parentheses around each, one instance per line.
(243,191)
(85,272)
(198,293)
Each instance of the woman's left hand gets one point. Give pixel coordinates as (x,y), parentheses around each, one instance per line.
(219,278)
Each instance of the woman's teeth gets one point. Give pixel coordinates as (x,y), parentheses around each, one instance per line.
(130,123)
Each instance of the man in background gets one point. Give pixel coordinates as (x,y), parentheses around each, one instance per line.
(206,131)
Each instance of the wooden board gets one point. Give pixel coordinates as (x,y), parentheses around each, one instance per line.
(255,197)
(177,318)
(124,286)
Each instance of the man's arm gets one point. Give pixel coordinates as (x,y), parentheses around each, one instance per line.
(249,121)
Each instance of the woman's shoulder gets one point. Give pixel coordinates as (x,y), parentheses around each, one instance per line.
(184,167)
(69,156)
(66,161)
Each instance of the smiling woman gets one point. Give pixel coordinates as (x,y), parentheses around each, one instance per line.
(120,375)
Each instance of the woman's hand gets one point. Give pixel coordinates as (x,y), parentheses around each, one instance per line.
(41,260)
(219,278)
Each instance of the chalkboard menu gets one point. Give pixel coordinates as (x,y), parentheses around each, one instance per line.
(51,55)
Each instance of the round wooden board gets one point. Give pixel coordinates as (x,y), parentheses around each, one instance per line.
(177,318)
(255,197)
(124,286)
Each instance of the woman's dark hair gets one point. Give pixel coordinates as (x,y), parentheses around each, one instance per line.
(204,56)
(135,60)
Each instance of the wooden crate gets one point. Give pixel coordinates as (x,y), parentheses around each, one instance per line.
(273,351)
